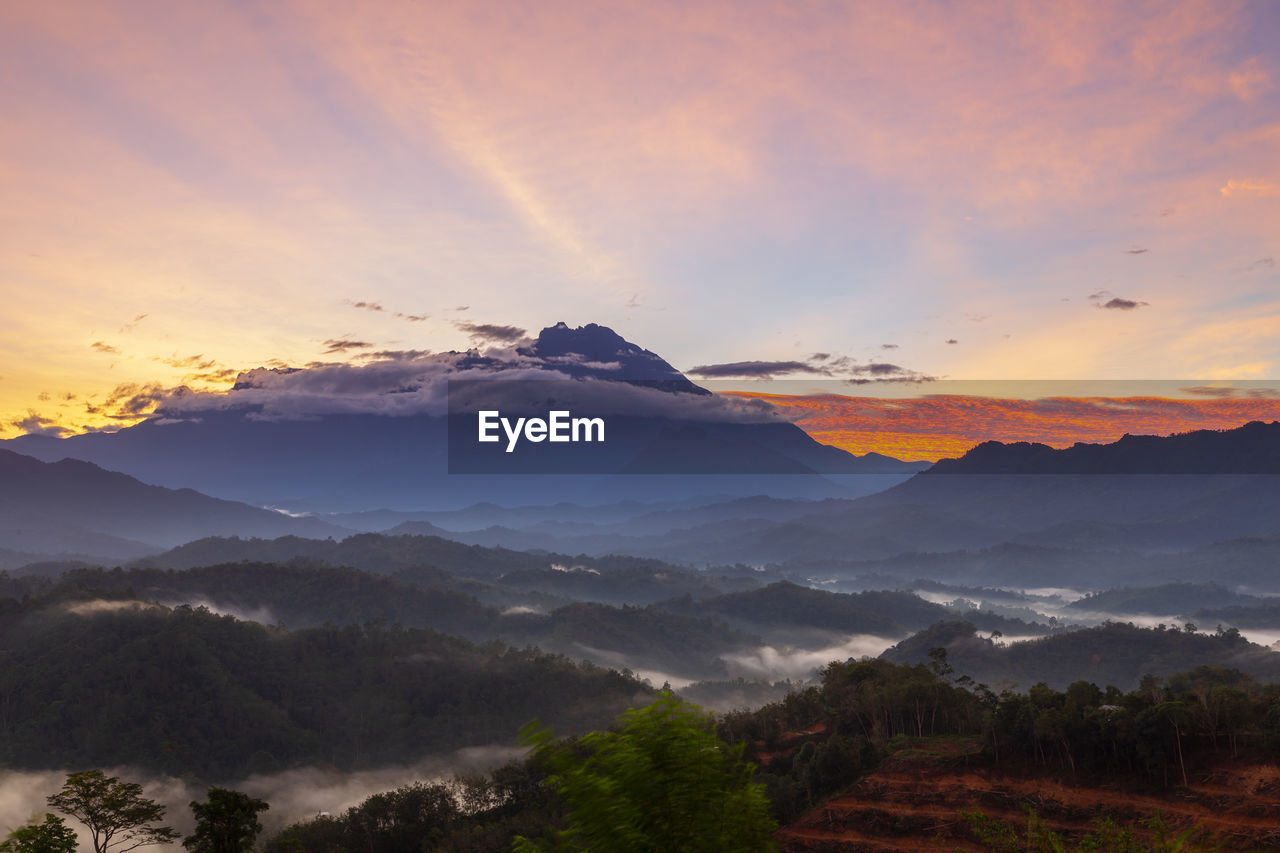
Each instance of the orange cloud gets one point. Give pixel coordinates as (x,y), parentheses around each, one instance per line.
(1256,188)
(946,425)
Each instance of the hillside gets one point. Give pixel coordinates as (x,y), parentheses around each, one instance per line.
(924,796)
(74,507)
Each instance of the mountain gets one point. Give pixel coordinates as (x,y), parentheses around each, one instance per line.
(400,433)
(75,508)
(1250,449)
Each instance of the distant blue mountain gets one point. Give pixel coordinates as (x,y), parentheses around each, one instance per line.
(73,508)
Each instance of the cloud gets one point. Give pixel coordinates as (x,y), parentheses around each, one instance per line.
(1249,80)
(1117,303)
(1099,294)
(366,306)
(393,355)
(1220,391)
(130,401)
(888,346)
(343,345)
(1136,251)
(414,382)
(1262,263)
(132,324)
(487,332)
(35,424)
(754,369)
(820,356)
(104,347)
(193,362)
(935,426)
(866,374)
(879,369)
(226,374)
(952,341)
(1254,188)
(413,318)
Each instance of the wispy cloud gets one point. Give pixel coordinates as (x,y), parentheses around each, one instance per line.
(104,347)
(1261,189)
(339,345)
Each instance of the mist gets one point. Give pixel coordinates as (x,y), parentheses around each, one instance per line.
(294,795)
(774,663)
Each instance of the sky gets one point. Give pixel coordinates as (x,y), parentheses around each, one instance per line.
(976,191)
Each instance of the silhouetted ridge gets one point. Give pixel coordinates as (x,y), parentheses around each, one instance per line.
(1250,449)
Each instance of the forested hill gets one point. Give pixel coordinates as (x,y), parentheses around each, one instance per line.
(1116,654)
(384,554)
(185,691)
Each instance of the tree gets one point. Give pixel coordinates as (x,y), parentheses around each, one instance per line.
(119,818)
(663,780)
(52,836)
(227,822)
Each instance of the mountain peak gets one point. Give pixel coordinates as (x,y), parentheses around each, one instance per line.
(600,352)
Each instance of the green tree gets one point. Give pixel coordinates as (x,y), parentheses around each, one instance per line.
(661,781)
(52,836)
(227,822)
(119,818)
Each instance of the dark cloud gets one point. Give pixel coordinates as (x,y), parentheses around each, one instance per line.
(491,332)
(333,345)
(413,318)
(754,369)
(888,346)
(36,424)
(820,356)
(462,308)
(952,341)
(365,306)
(1136,251)
(1117,303)
(1100,294)
(104,347)
(879,369)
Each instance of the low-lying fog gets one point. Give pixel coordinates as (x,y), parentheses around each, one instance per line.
(293,795)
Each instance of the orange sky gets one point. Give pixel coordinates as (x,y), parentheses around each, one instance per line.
(946,425)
